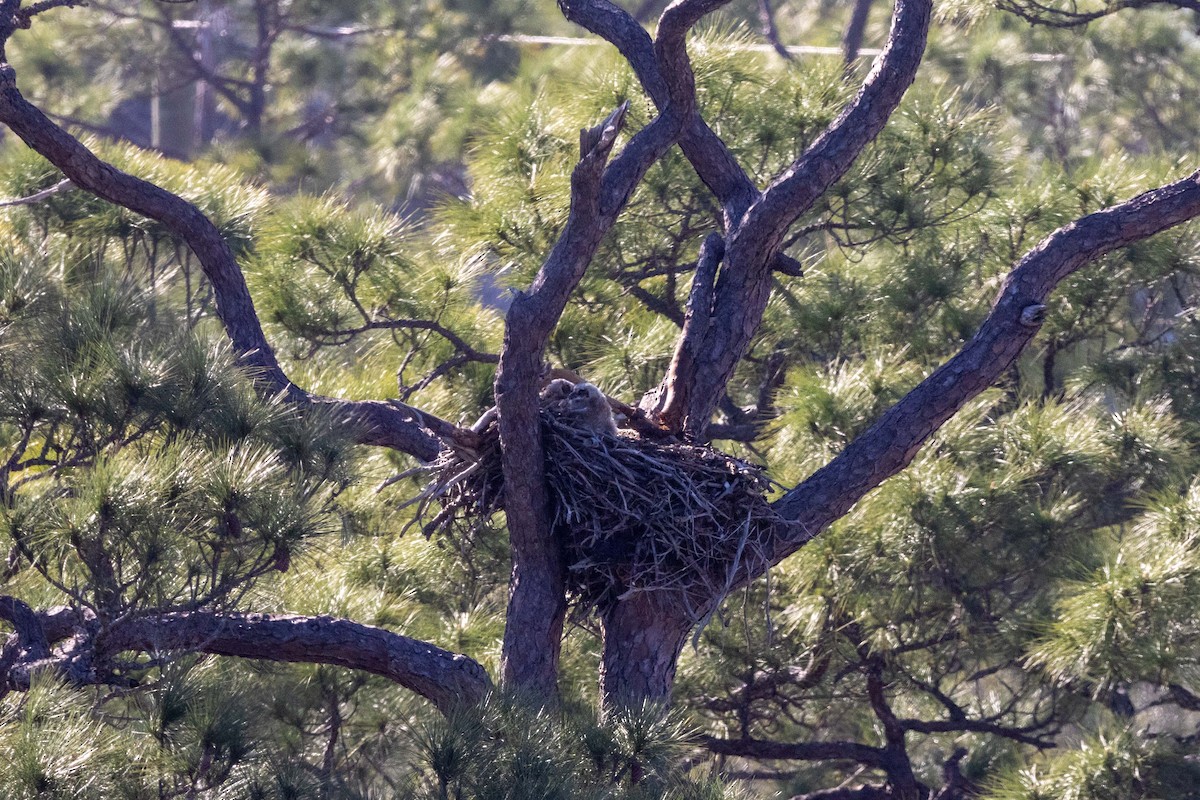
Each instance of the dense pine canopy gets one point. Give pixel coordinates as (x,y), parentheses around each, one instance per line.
(1015,614)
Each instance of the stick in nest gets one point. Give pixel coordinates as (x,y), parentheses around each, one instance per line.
(632,514)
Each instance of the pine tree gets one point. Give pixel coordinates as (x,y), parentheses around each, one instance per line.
(222,406)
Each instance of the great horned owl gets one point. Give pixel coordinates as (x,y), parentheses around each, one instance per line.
(555,392)
(588,409)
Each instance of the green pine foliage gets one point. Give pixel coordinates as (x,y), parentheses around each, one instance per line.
(1036,567)
(504,750)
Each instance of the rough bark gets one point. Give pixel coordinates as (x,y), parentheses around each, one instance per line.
(374,423)
(692,389)
(643,637)
(644,633)
(30,637)
(537,596)
(599,192)
(892,442)
(445,678)
(448,680)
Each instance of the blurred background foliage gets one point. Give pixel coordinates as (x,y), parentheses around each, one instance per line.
(1024,595)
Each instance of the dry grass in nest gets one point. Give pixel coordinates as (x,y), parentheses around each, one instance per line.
(632,514)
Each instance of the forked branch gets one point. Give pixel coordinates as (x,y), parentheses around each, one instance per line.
(692,387)
(712,160)
(600,189)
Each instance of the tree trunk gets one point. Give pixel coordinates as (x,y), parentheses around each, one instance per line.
(855,30)
(643,637)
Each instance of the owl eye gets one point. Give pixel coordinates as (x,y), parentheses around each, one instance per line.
(579,391)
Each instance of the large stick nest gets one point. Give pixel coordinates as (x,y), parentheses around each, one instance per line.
(632,514)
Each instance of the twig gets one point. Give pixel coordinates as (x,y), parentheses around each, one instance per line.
(37,197)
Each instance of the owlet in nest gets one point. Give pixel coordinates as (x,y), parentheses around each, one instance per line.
(582,405)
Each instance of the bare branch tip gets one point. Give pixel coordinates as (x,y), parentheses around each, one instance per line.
(599,139)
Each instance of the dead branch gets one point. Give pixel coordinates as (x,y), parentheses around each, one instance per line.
(38,197)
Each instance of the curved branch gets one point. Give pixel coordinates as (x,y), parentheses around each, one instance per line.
(382,423)
(708,155)
(370,423)
(81,166)
(448,680)
(828,158)
(893,441)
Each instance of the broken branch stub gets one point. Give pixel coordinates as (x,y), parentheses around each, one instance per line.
(597,141)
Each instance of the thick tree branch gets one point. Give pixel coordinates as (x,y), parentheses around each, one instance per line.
(448,680)
(828,158)
(384,424)
(795,751)
(369,423)
(690,390)
(892,442)
(28,649)
(537,592)
(77,163)
(698,316)
(31,636)
(599,192)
